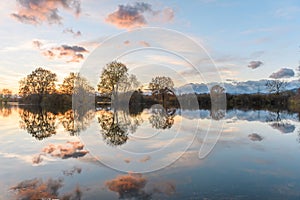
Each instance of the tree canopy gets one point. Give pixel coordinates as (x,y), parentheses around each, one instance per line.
(74,83)
(112,74)
(276,86)
(160,83)
(67,87)
(40,82)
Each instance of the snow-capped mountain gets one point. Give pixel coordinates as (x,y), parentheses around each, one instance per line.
(247,87)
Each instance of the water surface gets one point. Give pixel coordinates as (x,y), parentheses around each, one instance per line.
(48,154)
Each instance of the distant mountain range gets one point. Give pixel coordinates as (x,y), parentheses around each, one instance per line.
(247,87)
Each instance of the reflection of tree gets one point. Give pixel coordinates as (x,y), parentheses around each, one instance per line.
(39,123)
(217,113)
(5,110)
(76,122)
(218,102)
(274,116)
(112,131)
(115,126)
(162,118)
(278,123)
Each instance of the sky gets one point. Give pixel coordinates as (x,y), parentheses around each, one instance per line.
(193,41)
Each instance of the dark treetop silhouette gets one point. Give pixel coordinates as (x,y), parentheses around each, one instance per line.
(40,83)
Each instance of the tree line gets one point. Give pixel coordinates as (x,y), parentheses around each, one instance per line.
(116,85)
(40,88)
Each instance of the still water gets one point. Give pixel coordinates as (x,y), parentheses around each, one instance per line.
(48,154)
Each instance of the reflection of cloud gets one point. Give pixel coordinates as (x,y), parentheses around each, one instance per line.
(39,11)
(24,158)
(37,159)
(68,150)
(255,64)
(63,51)
(133,186)
(72,171)
(144,43)
(255,137)
(129,186)
(37,44)
(71,31)
(289,190)
(279,173)
(167,188)
(127,160)
(134,15)
(283,127)
(283,73)
(185,159)
(75,195)
(39,189)
(145,159)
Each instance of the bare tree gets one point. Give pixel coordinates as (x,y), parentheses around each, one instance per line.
(276,86)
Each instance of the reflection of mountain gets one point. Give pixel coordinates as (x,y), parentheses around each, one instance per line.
(283,127)
(248,87)
(247,115)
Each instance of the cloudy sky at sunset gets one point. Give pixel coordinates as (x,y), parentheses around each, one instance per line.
(248,40)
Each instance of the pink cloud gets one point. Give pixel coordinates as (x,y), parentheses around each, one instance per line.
(75,53)
(134,15)
(39,11)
